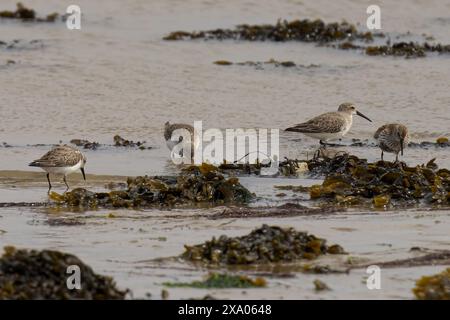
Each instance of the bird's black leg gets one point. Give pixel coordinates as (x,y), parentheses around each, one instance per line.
(382,154)
(65,181)
(396,158)
(49,184)
(316,154)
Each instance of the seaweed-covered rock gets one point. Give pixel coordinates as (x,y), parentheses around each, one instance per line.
(349,176)
(296,30)
(31,274)
(265,244)
(196,184)
(436,287)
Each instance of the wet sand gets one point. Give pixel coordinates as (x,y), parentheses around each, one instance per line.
(117,76)
(139,247)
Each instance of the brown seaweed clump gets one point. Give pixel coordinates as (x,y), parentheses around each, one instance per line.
(122,142)
(85,144)
(336,35)
(436,287)
(26,14)
(297,30)
(196,184)
(20,44)
(406,49)
(118,142)
(350,179)
(263,245)
(441,142)
(32,274)
(261,64)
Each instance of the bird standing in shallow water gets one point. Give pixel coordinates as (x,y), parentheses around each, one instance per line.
(392,138)
(331,125)
(169,130)
(62,159)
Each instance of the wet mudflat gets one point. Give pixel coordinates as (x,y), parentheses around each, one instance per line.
(126,80)
(140,249)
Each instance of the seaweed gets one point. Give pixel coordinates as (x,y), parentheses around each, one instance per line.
(349,179)
(297,30)
(337,35)
(121,142)
(436,287)
(223,62)
(441,142)
(263,245)
(287,167)
(118,142)
(221,281)
(23,204)
(319,285)
(85,144)
(32,274)
(21,44)
(397,49)
(26,14)
(270,62)
(406,49)
(285,210)
(195,184)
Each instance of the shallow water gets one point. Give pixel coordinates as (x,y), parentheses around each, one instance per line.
(116,76)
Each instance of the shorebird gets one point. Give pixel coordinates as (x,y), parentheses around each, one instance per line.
(392,138)
(62,159)
(330,125)
(169,130)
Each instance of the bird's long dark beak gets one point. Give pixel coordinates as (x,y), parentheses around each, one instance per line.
(401,146)
(82,171)
(363,116)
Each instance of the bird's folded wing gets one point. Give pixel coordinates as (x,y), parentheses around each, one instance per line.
(322,123)
(58,157)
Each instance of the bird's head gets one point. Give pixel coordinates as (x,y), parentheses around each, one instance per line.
(402,134)
(351,109)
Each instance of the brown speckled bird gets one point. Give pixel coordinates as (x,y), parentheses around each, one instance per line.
(330,125)
(393,138)
(62,159)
